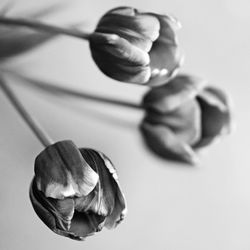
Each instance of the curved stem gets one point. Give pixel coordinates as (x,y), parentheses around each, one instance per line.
(52,88)
(33,124)
(43,27)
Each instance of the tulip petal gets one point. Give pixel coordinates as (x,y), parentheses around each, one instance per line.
(163,78)
(216,115)
(165,53)
(144,23)
(162,141)
(119,48)
(87,203)
(60,217)
(184,122)
(47,212)
(119,59)
(63,211)
(120,208)
(138,28)
(122,10)
(62,172)
(86,224)
(105,188)
(107,198)
(170,96)
(40,206)
(120,72)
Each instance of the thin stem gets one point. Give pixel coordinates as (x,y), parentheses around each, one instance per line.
(44,27)
(33,124)
(94,97)
(52,88)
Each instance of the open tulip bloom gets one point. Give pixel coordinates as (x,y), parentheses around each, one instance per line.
(184,115)
(75,191)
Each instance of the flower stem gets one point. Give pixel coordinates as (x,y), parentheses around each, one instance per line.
(52,88)
(44,27)
(32,123)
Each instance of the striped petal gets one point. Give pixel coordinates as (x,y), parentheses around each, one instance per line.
(105,190)
(107,199)
(62,172)
(47,212)
(119,59)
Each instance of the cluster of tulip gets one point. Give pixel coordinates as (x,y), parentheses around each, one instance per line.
(75,191)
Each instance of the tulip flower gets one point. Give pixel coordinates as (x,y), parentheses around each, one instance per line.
(136,47)
(127,45)
(181,116)
(75,192)
(184,115)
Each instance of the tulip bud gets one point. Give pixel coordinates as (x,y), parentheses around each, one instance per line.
(184,115)
(136,47)
(75,192)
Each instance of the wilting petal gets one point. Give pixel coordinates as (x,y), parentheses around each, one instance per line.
(62,172)
(170,96)
(216,115)
(162,141)
(184,122)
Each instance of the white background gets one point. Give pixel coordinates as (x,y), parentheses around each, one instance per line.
(171,206)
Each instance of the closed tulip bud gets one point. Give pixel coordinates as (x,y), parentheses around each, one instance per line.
(136,47)
(184,115)
(75,192)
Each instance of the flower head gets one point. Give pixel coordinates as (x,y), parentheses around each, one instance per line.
(137,47)
(183,115)
(75,192)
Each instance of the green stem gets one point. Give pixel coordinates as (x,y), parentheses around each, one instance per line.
(43,27)
(32,123)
